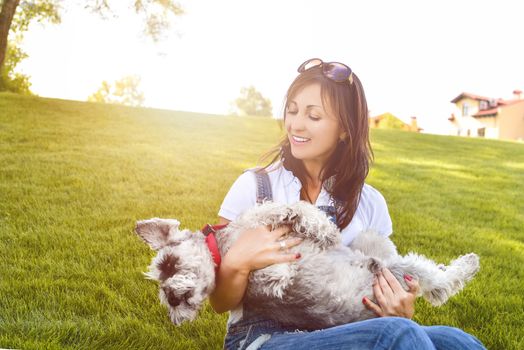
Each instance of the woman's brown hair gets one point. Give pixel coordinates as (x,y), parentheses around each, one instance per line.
(349,163)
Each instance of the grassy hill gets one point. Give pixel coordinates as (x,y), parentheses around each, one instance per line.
(74,178)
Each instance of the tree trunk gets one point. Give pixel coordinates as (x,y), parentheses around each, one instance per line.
(6,17)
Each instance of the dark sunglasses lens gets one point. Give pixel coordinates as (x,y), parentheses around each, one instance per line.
(309,64)
(337,71)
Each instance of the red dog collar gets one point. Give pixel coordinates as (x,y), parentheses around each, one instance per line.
(211,241)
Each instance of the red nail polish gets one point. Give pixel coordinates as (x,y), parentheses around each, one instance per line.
(408,277)
(298,256)
(363,300)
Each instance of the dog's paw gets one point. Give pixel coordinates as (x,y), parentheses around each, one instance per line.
(469,264)
(290,216)
(374,265)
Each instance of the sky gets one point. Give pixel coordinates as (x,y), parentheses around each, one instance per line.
(413,57)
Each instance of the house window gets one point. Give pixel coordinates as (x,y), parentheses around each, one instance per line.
(481,132)
(465,109)
(483,105)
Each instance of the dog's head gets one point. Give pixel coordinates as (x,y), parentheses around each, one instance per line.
(183,266)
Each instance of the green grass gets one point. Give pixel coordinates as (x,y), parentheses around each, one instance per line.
(74,178)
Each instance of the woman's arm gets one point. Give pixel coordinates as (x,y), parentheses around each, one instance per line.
(230,286)
(254,249)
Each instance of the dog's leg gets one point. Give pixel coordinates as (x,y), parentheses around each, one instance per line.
(436,285)
(266,214)
(271,281)
(312,224)
(370,243)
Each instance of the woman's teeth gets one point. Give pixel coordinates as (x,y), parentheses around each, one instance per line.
(300,139)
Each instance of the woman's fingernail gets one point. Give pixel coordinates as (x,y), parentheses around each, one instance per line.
(363,300)
(408,277)
(298,256)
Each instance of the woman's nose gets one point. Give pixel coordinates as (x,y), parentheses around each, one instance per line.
(297,123)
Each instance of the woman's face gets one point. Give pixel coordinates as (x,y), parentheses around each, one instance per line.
(312,129)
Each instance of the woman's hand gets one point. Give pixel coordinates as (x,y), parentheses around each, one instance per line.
(260,247)
(392,299)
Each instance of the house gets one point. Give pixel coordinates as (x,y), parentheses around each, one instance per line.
(480,116)
(389,121)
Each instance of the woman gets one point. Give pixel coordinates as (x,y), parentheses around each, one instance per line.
(323,159)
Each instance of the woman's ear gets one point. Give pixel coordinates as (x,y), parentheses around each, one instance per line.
(343,136)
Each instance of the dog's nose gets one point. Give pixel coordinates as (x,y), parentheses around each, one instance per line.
(172,298)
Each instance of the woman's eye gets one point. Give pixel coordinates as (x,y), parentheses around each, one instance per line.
(312,117)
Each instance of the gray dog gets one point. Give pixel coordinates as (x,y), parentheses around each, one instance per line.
(322,289)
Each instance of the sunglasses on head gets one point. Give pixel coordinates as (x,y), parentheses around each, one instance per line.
(335,71)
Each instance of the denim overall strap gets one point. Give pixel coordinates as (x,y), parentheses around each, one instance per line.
(263,193)
(331,212)
(263,185)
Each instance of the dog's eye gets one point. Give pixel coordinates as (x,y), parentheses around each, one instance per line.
(168,266)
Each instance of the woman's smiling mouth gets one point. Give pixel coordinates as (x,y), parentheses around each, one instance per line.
(299,140)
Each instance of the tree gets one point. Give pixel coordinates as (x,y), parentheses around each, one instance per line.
(125,92)
(11,80)
(6,19)
(16,15)
(251,102)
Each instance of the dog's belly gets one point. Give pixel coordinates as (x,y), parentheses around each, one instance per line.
(327,290)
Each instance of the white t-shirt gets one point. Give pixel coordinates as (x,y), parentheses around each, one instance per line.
(372,211)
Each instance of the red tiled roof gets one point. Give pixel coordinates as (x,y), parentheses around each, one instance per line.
(500,101)
(491,111)
(472,96)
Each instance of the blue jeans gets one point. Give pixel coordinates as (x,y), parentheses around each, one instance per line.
(377,333)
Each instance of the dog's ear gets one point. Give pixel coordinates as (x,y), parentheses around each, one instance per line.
(158,232)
